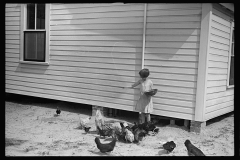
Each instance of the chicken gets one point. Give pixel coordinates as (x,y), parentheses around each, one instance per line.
(169,146)
(58,111)
(87,129)
(108,147)
(83,122)
(192,150)
(135,126)
(129,135)
(107,132)
(99,120)
(139,134)
(155,131)
(116,126)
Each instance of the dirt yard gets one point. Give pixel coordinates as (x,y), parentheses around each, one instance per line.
(31,129)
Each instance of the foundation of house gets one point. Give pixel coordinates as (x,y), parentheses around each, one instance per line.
(103,110)
(197,126)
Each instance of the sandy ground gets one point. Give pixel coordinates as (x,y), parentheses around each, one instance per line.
(32,130)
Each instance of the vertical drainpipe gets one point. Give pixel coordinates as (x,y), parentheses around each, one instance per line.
(144,32)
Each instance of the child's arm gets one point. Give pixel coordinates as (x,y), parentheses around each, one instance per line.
(134,85)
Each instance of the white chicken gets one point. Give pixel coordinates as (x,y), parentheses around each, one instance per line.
(83,122)
(99,120)
(129,136)
(116,127)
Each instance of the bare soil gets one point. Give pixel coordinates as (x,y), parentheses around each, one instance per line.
(32,129)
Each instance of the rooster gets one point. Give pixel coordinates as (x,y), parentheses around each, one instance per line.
(192,150)
(129,135)
(139,134)
(99,119)
(83,122)
(108,147)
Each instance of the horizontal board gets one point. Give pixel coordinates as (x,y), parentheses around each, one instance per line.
(96,54)
(218,52)
(99,9)
(17,8)
(217,71)
(12,18)
(98,32)
(67,95)
(125,14)
(119,38)
(228,92)
(12,14)
(12,36)
(100,97)
(220,33)
(173,108)
(220,27)
(12,28)
(62,97)
(216,89)
(219,46)
(10,41)
(213,77)
(99,90)
(172,45)
(170,63)
(12,32)
(167,6)
(172,102)
(224,16)
(220,100)
(172,38)
(172,51)
(125,43)
(191,71)
(12,5)
(12,50)
(193,18)
(174,76)
(219,112)
(189,32)
(97,60)
(94,49)
(84,5)
(173,83)
(218,39)
(9,55)
(170,57)
(12,46)
(213,64)
(217,58)
(99,26)
(12,23)
(216,83)
(219,19)
(113,77)
(173,25)
(100,20)
(159,12)
(173,114)
(219,106)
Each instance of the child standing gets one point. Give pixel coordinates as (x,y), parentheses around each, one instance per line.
(144,104)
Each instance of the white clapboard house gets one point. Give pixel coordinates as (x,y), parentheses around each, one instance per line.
(84,53)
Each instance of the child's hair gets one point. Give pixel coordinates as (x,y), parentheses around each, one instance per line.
(144,73)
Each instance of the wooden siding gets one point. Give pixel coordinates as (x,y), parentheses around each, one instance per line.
(94,50)
(171,55)
(219,99)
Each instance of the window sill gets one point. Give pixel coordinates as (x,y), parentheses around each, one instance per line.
(232,86)
(38,63)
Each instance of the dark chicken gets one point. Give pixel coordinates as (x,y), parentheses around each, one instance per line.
(135,126)
(169,146)
(192,150)
(58,111)
(104,133)
(139,134)
(87,129)
(108,147)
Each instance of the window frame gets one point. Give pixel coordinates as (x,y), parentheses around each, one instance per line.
(23,29)
(229,57)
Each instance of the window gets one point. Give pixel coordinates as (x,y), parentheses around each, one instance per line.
(231,59)
(34,33)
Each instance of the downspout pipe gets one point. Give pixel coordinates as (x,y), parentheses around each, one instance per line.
(144,33)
